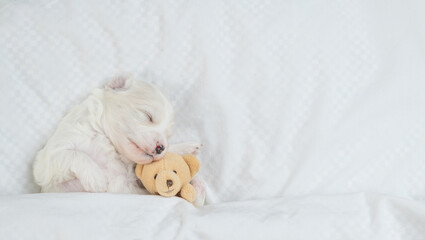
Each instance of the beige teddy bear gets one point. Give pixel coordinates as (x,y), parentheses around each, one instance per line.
(170,176)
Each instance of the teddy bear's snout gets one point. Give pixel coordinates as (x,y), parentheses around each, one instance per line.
(167,183)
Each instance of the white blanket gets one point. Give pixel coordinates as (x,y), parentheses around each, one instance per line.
(290,98)
(109,216)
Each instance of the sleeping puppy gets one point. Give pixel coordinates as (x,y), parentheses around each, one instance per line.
(97,144)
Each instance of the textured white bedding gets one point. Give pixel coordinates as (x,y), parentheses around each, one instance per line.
(109,216)
(290,98)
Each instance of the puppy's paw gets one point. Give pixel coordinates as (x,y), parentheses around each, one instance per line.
(95,184)
(186,148)
(191,148)
(199,185)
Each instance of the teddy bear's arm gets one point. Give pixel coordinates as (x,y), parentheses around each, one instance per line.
(138,171)
(188,192)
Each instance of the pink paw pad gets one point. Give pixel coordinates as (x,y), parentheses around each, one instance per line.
(199,186)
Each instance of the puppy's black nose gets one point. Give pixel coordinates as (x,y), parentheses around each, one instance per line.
(169,183)
(159,149)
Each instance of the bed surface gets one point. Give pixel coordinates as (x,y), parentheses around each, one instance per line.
(312,114)
(113,216)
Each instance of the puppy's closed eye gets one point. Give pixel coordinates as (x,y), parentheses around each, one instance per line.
(149,116)
(143,114)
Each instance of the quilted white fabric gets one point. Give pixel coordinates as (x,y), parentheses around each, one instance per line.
(113,216)
(290,98)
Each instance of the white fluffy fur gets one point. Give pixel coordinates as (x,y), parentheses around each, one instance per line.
(97,143)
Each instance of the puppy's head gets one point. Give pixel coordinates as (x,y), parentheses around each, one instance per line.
(137,118)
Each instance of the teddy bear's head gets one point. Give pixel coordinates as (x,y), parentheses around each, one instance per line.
(167,175)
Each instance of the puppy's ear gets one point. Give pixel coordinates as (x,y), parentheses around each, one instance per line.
(139,169)
(193,163)
(121,82)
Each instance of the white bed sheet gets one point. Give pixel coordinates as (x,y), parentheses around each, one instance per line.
(112,216)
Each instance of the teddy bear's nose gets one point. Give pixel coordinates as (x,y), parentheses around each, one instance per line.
(159,148)
(169,183)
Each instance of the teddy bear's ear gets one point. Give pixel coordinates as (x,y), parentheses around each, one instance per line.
(193,163)
(139,169)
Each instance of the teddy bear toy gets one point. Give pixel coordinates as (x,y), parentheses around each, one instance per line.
(170,176)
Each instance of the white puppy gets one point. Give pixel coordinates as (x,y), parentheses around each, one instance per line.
(97,144)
